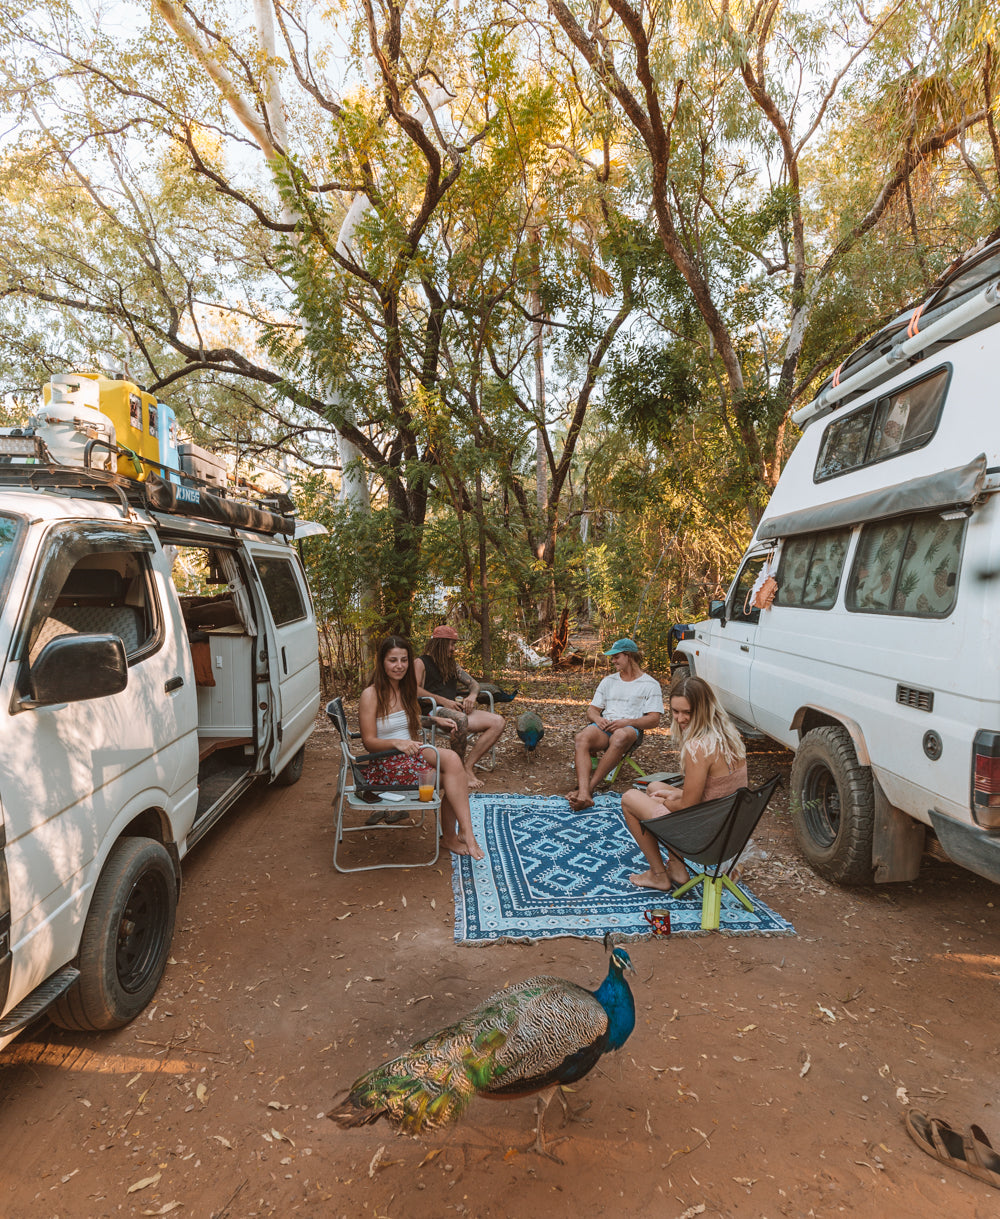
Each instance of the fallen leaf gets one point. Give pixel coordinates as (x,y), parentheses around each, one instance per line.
(276,1104)
(201,1092)
(225,1142)
(805,1067)
(433,1155)
(901,1095)
(144,1183)
(249,1045)
(165,1209)
(375,1160)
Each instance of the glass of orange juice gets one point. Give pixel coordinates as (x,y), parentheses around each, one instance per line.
(426,790)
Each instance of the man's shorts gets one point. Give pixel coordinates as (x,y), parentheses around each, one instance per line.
(637,731)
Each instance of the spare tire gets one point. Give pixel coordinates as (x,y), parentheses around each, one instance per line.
(832,802)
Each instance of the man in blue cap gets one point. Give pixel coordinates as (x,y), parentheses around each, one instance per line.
(626,703)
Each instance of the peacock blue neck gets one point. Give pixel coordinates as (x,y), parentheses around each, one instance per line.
(615,996)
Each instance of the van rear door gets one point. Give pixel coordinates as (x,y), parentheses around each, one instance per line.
(293,648)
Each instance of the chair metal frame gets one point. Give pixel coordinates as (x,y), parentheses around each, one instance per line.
(714,834)
(351,782)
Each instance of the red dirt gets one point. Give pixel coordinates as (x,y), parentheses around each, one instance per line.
(764,1077)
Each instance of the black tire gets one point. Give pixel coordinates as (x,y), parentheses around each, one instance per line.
(293,771)
(126,939)
(833,806)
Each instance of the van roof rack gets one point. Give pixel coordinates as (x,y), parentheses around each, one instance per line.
(155,494)
(963,301)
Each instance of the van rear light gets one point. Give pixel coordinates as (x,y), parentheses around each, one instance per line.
(986,780)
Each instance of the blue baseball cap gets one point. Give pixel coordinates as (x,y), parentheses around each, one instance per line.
(622,645)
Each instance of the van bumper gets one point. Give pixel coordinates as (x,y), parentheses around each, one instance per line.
(968,845)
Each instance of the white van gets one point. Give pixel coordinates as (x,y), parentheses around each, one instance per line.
(876,660)
(131,718)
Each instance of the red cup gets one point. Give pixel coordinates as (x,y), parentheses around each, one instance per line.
(659,919)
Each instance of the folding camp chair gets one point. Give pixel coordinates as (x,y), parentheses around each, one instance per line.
(714,835)
(612,775)
(428,704)
(356,794)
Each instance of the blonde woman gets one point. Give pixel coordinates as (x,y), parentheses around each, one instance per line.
(713,759)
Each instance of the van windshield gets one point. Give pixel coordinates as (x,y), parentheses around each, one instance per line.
(11,528)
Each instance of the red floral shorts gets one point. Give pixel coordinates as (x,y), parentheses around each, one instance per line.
(400,770)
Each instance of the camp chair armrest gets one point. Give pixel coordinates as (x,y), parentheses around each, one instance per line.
(371,757)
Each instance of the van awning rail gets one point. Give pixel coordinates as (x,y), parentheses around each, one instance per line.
(947,490)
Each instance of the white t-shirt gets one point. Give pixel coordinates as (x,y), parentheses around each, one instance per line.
(628,700)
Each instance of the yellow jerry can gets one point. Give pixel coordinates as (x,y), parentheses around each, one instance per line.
(135,416)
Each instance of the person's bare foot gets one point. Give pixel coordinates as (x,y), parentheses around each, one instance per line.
(652,880)
(455,845)
(474,781)
(578,803)
(476,851)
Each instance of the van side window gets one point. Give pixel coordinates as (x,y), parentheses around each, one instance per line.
(896,423)
(810,569)
(907,566)
(740,609)
(281,589)
(96,581)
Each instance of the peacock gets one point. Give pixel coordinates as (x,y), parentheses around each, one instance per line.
(530,1038)
(530,729)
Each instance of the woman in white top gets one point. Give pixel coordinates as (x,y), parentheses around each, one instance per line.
(390,719)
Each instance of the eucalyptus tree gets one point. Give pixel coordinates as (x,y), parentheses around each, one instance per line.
(741,110)
(185,213)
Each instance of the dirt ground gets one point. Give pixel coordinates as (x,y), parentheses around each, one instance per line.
(765,1076)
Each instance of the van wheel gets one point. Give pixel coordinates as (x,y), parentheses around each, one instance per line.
(293,771)
(126,939)
(833,806)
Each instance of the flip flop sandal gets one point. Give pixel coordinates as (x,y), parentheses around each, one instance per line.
(394,815)
(971,1152)
(376,817)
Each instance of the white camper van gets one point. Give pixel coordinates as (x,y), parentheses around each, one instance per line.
(131,717)
(876,660)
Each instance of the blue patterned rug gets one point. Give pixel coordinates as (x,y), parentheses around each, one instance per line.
(549,872)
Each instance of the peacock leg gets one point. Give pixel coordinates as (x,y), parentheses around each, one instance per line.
(571,1113)
(542,1103)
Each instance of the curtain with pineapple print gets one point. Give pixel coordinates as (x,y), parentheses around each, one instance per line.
(908,566)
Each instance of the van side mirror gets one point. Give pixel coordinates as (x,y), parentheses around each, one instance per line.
(717,609)
(71,668)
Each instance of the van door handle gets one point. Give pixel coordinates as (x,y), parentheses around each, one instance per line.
(744,647)
(174,683)
(284,661)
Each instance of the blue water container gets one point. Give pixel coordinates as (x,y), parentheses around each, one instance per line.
(167,434)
